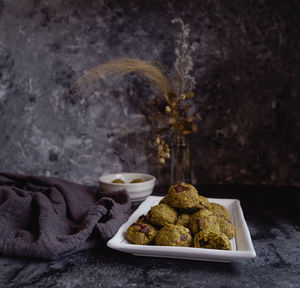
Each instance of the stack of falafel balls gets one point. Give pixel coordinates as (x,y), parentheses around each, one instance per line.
(184,218)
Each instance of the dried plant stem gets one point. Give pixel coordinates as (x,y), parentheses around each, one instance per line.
(122,66)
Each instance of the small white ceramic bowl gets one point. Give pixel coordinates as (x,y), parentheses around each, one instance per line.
(136,191)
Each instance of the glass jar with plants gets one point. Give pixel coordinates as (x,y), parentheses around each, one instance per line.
(174,114)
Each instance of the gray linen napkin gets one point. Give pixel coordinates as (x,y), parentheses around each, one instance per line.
(45,217)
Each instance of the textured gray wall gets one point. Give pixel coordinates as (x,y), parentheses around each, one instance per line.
(247,67)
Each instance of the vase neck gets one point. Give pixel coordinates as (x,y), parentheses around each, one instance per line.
(180,160)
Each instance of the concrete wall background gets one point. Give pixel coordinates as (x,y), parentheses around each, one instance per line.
(246,63)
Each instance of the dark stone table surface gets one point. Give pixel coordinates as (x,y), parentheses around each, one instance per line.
(272,217)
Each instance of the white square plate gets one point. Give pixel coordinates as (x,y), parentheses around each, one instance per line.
(242,247)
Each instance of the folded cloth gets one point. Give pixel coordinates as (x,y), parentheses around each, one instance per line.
(45,217)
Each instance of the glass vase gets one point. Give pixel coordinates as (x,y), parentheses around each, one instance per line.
(181,159)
